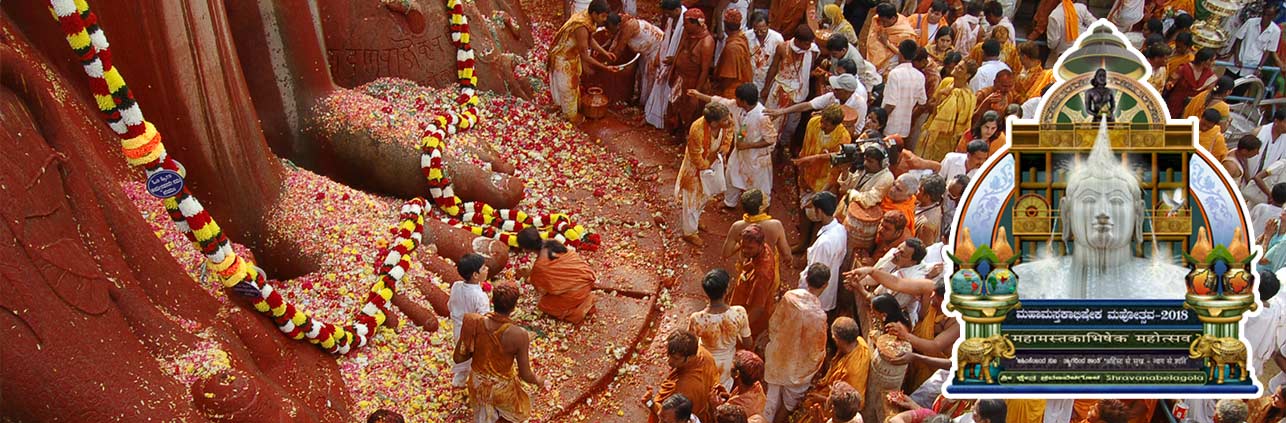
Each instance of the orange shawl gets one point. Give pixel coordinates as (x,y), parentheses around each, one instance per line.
(695,381)
(906,207)
(878,53)
(920,21)
(851,368)
(1071,21)
(756,288)
(750,400)
(734,65)
(1032,81)
(567,283)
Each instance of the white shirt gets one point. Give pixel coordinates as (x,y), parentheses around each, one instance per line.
(1029,107)
(1261,214)
(1272,150)
(986,74)
(954,164)
(933,254)
(828,249)
(857,102)
(1254,43)
(466,298)
(904,90)
(1054,31)
(761,54)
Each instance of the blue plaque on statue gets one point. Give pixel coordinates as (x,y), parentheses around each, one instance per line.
(164,184)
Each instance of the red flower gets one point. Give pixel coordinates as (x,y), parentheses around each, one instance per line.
(320,196)
(486,286)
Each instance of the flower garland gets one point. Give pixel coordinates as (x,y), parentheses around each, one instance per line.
(142,146)
(480,218)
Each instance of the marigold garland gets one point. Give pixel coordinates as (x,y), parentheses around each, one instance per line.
(480,218)
(142,146)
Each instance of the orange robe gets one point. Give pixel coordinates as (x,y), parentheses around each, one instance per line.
(815,176)
(879,54)
(752,400)
(756,289)
(851,368)
(494,386)
(786,15)
(1031,81)
(734,66)
(1041,20)
(694,380)
(564,65)
(699,155)
(687,74)
(906,207)
(567,283)
(1260,408)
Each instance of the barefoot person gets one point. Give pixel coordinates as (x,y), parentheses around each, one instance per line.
(755,205)
(719,327)
(496,346)
(750,162)
(733,66)
(759,283)
(563,277)
(570,52)
(467,297)
(796,343)
(692,374)
(709,138)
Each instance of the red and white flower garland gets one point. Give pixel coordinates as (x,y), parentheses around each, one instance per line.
(480,218)
(142,146)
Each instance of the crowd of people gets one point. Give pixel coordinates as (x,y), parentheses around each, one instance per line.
(882,112)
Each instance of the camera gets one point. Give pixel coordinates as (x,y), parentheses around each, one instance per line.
(851,153)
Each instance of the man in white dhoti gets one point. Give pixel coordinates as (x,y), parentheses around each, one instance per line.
(763,46)
(658,97)
(1101,217)
(750,162)
(787,81)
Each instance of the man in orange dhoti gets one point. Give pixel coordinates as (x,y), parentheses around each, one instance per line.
(495,344)
(734,66)
(564,279)
(748,392)
(786,15)
(570,51)
(882,40)
(692,64)
(692,373)
(709,138)
(851,364)
(759,283)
